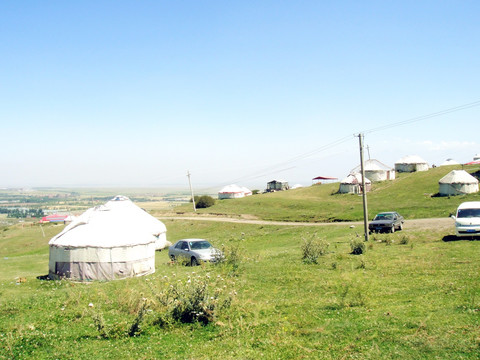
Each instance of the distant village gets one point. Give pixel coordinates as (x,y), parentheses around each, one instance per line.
(456,182)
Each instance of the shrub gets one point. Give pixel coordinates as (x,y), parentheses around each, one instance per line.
(196,300)
(313,248)
(357,246)
(231,255)
(204,201)
(404,240)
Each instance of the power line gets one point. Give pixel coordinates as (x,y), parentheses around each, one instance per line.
(337,142)
(425,117)
(271,169)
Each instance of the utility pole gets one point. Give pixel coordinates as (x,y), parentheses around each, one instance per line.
(364,190)
(191,191)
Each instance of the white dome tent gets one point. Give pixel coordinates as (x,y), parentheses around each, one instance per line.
(352,184)
(376,171)
(411,163)
(457,182)
(112,241)
(233,191)
(449,162)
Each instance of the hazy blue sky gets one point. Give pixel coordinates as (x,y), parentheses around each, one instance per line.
(120,93)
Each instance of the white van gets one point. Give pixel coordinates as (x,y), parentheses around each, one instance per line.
(467,219)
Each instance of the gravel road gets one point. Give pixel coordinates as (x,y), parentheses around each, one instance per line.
(438,223)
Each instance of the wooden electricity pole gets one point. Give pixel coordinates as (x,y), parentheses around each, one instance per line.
(364,190)
(191,191)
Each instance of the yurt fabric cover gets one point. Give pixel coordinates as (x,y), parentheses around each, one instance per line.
(376,170)
(411,163)
(353,184)
(457,182)
(111,241)
(233,191)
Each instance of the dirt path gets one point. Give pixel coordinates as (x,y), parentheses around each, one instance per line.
(438,223)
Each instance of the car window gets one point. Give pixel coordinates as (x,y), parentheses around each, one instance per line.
(199,245)
(184,245)
(468,213)
(179,245)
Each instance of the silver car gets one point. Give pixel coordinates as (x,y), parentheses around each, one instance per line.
(194,250)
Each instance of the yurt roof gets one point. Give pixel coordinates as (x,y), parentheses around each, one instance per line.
(246,190)
(355,178)
(117,223)
(449,162)
(411,159)
(458,177)
(373,165)
(296,186)
(231,189)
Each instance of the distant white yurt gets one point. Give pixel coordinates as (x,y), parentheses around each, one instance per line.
(376,171)
(246,191)
(352,184)
(411,163)
(449,162)
(457,182)
(233,191)
(112,241)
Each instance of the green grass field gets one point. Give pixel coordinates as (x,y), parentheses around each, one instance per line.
(418,300)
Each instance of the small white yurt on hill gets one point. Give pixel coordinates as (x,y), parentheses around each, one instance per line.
(352,184)
(233,191)
(112,241)
(411,163)
(376,171)
(449,162)
(457,182)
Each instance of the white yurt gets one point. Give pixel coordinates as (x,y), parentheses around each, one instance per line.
(352,184)
(411,163)
(112,241)
(296,186)
(376,170)
(233,191)
(246,191)
(449,162)
(457,182)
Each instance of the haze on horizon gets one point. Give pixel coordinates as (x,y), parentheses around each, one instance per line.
(137,93)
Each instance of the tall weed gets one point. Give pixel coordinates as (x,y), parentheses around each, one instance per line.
(313,248)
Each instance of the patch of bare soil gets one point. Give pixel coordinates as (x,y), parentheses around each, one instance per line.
(438,224)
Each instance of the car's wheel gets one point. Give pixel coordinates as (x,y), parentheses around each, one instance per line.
(400,227)
(392,230)
(172,257)
(193,261)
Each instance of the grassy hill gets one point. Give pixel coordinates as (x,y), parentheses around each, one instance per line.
(411,194)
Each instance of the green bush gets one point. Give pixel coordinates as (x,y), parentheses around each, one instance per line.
(357,246)
(313,248)
(197,300)
(404,240)
(204,201)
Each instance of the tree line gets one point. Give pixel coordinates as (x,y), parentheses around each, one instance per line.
(22,213)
